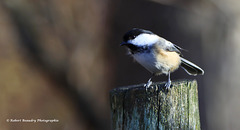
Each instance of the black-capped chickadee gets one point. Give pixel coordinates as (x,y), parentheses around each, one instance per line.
(156,54)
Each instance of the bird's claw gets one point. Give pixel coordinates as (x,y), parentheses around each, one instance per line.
(148,84)
(168,85)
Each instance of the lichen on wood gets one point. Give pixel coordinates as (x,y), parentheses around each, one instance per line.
(134,107)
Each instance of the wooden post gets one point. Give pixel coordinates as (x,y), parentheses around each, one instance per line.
(135,108)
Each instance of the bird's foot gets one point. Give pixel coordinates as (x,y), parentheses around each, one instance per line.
(148,84)
(168,85)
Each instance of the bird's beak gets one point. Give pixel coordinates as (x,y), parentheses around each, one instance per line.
(123,43)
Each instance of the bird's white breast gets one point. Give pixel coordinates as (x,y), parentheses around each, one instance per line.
(147,60)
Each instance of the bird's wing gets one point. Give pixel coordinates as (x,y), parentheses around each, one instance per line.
(169,46)
(172,47)
(178,47)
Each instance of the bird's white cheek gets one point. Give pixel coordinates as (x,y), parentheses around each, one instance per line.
(145,39)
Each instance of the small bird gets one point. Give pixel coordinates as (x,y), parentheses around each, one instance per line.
(157,55)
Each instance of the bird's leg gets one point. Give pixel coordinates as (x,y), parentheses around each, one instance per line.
(149,83)
(168,84)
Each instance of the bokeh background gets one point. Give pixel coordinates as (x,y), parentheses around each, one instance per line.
(59,59)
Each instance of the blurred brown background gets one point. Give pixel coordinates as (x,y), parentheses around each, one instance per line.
(59,59)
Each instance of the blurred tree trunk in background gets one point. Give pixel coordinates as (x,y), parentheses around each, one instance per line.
(221,40)
(53,63)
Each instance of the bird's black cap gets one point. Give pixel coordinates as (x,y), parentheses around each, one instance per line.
(134,33)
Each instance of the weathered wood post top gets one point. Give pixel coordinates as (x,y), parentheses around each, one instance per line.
(135,108)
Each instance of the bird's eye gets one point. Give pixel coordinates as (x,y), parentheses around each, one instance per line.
(132,37)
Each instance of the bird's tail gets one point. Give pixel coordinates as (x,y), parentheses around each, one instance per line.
(191,68)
